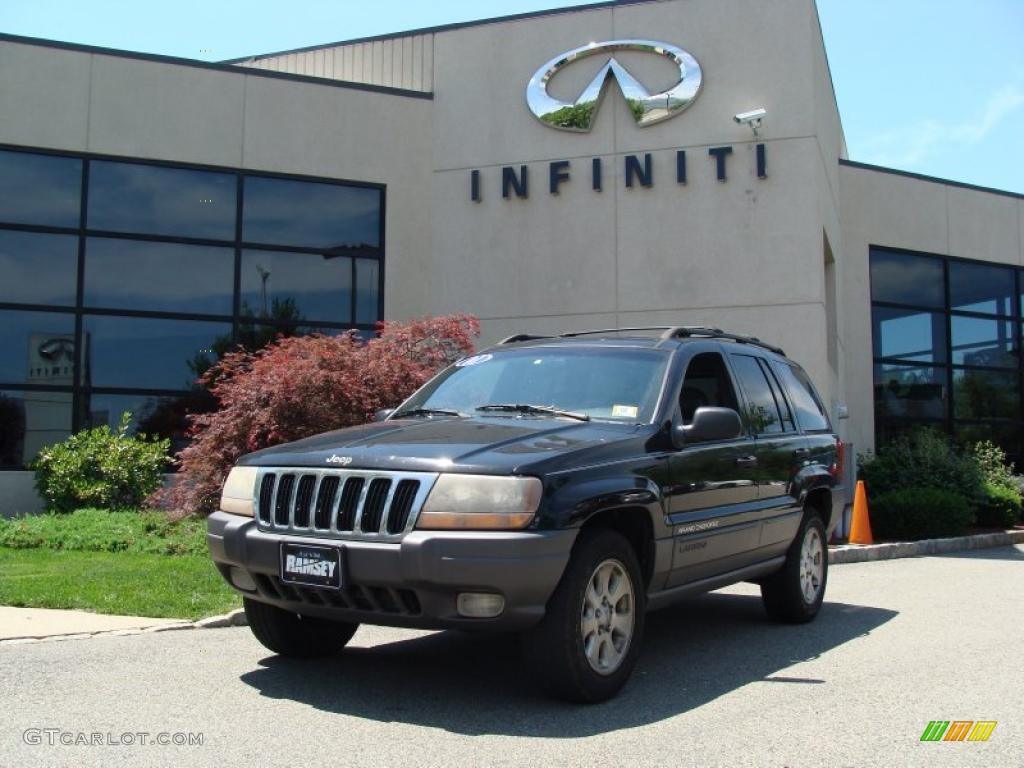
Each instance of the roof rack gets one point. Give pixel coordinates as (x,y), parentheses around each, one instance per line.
(667,332)
(523,337)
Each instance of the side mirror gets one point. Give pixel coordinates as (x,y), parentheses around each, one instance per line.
(383,414)
(709,424)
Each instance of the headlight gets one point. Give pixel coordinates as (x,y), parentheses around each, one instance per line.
(479,501)
(239,488)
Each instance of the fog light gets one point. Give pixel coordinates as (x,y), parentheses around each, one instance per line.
(480,605)
(242,580)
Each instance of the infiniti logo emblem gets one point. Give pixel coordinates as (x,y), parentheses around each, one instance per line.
(647,108)
(343,460)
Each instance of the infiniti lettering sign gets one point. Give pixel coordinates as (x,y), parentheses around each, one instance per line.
(647,108)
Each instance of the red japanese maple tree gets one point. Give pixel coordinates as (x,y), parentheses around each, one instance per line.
(300,386)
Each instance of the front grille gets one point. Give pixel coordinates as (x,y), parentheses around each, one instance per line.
(341,503)
(354,597)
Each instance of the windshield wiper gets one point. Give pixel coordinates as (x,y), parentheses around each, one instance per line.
(527,408)
(426,412)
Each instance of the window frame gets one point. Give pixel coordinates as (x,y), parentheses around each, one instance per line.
(947,370)
(79,388)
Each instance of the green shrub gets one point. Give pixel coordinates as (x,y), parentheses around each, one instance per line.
(924,458)
(1001,507)
(102,530)
(994,467)
(915,513)
(100,468)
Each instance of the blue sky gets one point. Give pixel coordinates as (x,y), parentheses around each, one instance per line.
(931,86)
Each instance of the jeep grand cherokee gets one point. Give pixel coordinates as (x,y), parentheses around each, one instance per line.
(560,487)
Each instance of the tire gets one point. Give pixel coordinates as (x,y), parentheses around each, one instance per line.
(796,592)
(300,637)
(556,649)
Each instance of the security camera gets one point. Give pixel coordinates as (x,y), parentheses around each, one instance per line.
(752,118)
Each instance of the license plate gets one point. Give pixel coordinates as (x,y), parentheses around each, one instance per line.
(311,566)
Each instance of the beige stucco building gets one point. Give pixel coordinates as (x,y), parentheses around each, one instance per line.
(410,142)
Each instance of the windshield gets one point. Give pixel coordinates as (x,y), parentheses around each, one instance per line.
(601,383)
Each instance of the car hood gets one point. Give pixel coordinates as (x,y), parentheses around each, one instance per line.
(498,445)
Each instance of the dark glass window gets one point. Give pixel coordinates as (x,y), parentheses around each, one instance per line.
(149,353)
(761,412)
(707,383)
(909,334)
(154,200)
(165,286)
(985,395)
(37,268)
(311,215)
(29,421)
(37,347)
(810,413)
(983,342)
(162,416)
(903,391)
(904,278)
(981,288)
(297,286)
(367,290)
(164,277)
(44,190)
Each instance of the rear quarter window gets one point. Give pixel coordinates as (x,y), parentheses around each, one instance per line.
(810,414)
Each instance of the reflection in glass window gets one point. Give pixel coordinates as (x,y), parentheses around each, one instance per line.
(903,391)
(311,215)
(40,189)
(367,291)
(982,342)
(810,413)
(165,277)
(154,200)
(149,353)
(761,412)
(981,288)
(29,421)
(296,286)
(1007,435)
(904,278)
(909,334)
(152,415)
(985,395)
(37,268)
(37,347)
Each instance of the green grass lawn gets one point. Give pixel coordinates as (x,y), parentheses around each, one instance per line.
(183,587)
(125,562)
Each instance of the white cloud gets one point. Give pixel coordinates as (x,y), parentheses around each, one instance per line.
(912,144)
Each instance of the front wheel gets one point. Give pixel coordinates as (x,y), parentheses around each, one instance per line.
(289,634)
(587,644)
(795,593)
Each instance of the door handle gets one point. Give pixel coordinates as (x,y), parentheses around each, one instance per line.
(799,453)
(746,461)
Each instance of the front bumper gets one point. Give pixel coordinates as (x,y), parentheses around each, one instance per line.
(412,583)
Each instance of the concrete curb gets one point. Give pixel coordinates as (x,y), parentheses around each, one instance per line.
(235,618)
(855,553)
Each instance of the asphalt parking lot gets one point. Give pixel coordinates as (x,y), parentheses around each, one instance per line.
(899,643)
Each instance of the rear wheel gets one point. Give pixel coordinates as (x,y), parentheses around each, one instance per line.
(587,644)
(289,634)
(795,593)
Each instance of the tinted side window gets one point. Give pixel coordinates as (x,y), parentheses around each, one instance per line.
(787,414)
(810,414)
(706,384)
(761,412)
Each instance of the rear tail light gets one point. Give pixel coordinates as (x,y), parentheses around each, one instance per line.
(836,470)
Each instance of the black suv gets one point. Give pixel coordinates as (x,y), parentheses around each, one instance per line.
(556,486)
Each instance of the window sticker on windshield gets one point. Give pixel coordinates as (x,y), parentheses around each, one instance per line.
(474,360)
(625,411)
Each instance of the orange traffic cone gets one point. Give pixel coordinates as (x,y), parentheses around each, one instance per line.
(860,527)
